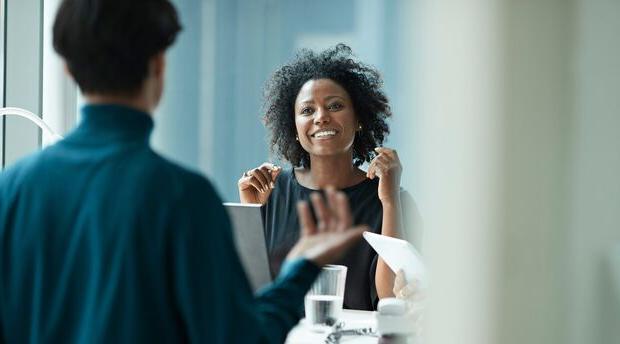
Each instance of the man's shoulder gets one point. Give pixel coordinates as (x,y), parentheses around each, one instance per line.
(191,182)
(20,169)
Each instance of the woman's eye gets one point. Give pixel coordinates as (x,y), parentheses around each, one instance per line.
(335,107)
(306,111)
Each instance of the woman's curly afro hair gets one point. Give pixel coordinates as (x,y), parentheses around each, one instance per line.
(362,82)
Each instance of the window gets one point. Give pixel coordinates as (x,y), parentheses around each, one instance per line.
(26,42)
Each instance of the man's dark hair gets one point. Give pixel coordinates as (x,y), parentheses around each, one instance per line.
(362,82)
(107,44)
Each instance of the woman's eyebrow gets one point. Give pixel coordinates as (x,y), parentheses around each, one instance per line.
(311,100)
(332,97)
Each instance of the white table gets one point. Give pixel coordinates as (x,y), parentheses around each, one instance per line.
(302,334)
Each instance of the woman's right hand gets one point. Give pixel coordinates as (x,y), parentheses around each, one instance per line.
(256,185)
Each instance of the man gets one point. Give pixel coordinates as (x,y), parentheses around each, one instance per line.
(102,240)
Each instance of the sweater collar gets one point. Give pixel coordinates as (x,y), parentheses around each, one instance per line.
(111,123)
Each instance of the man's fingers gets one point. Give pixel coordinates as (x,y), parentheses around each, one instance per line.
(343,210)
(350,237)
(330,194)
(321,211)
(305,219)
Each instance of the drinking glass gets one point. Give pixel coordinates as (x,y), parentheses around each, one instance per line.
(323,302)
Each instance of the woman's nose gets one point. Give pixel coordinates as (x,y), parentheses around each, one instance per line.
(321,116)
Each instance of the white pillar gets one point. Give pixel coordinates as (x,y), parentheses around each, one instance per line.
(494,103)
(454,87)
(594,220)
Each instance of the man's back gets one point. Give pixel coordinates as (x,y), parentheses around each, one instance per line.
(100,237)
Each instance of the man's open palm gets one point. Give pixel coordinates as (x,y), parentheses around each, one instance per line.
(327,239)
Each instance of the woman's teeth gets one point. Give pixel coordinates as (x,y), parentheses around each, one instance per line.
(325,133)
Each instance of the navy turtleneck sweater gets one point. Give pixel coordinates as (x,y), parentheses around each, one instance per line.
(102,240)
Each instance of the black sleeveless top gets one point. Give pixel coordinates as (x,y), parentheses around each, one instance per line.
(281,226)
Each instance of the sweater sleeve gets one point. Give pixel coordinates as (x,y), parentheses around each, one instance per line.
(212,293)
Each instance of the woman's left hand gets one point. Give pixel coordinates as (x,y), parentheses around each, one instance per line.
(386,165)
(414,297)
(404,290)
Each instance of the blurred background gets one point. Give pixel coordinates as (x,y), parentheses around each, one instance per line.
(506,118)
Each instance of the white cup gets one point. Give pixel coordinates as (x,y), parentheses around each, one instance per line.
(323,302)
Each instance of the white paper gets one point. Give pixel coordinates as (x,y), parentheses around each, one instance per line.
(399,254)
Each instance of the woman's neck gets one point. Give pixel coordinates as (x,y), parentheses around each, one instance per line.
(336,171)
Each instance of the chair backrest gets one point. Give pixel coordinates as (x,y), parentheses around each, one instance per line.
(50,136)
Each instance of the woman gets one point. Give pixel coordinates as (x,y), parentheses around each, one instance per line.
(327,116)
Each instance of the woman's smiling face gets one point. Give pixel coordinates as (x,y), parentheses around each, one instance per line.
(324,118)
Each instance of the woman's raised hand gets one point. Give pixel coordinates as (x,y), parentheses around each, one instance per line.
(256,185)
(386,165)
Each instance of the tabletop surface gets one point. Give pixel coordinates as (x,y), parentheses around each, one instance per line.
(302,334)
